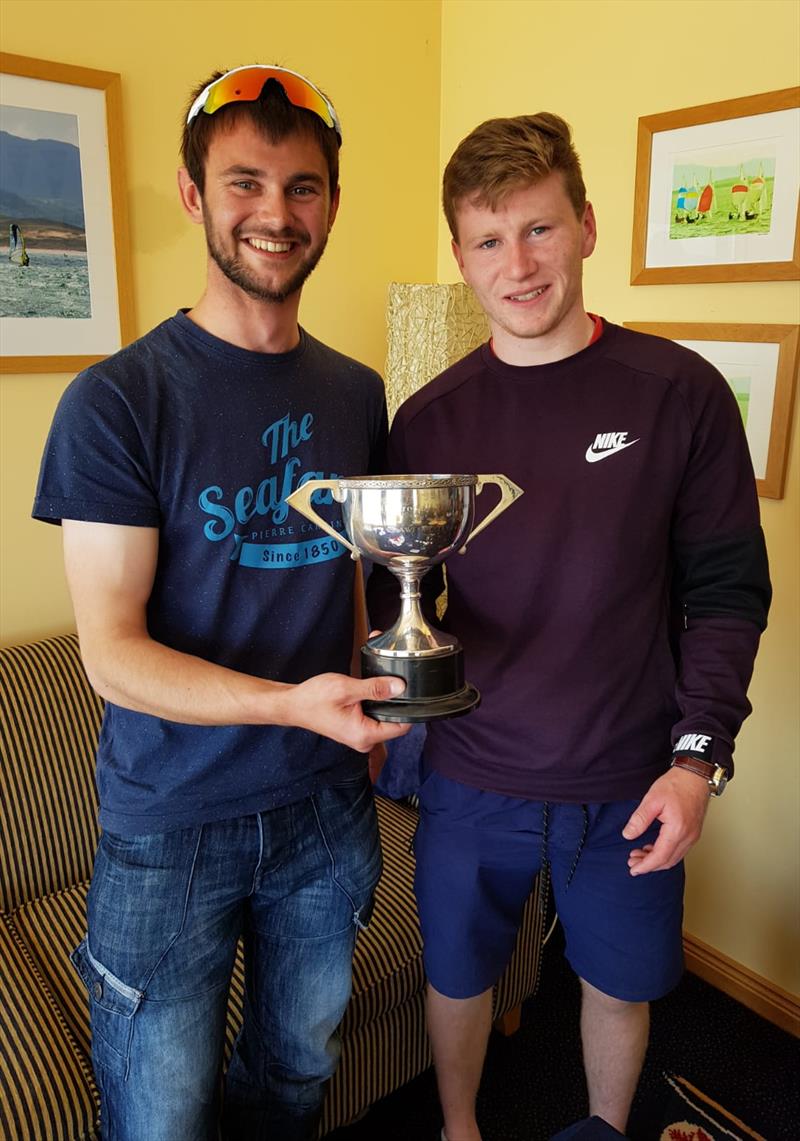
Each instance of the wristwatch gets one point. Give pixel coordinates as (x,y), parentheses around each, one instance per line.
(715,775)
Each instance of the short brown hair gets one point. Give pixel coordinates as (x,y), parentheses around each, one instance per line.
(271,113)
(501,155)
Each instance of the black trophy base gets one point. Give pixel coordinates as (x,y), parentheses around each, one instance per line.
(435,687)
(432,709)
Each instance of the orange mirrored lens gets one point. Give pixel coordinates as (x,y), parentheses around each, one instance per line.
(246,85)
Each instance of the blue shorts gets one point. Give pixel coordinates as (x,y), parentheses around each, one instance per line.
(477,856)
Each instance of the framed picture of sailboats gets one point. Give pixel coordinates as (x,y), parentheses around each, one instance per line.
(717,194)
(65,280)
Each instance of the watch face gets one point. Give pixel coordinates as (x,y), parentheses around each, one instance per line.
(719,781)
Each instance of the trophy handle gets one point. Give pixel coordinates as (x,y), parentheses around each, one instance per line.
(508,493)
(300,499)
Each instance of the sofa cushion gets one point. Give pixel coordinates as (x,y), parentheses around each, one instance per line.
(50,928)
(377,1059)
(46,1088)
(49,722)
(387,966)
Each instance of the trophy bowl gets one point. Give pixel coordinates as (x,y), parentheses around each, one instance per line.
(408,524)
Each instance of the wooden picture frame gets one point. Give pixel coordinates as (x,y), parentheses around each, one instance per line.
(695,217)
(760,362)
(65,286)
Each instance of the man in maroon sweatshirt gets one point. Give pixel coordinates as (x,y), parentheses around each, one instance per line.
(610,621)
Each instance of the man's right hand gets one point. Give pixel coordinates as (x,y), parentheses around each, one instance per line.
(330,704)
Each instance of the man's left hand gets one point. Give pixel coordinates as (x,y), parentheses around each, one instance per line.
(679,799)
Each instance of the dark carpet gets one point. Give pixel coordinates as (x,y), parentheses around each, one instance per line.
(533,1083)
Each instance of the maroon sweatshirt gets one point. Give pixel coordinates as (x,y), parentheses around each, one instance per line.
(617,605)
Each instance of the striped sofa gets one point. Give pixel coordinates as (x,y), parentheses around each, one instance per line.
(50,719)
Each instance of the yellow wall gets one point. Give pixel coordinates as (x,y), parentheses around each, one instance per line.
(386,227)
(601,64)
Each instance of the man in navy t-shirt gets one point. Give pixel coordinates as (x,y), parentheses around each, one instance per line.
(219,627)
(610,622)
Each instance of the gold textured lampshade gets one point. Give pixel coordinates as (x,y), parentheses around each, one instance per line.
(430,327)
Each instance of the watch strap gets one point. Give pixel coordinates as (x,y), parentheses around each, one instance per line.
(704,769)
(715,776)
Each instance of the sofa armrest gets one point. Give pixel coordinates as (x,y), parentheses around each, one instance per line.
(48,736)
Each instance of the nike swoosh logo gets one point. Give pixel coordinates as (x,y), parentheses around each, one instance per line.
(592,457)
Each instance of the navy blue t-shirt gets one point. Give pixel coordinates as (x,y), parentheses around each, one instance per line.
(203,440)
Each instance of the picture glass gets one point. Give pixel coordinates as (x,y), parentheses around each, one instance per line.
(58,291)
(724,192)
(42,197)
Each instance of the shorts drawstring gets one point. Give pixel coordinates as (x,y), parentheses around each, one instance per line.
(581,844)
(544,874)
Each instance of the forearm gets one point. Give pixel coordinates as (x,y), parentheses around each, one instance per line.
(143,675)
(724,591)
(717,656)
(132,670)
(110,571)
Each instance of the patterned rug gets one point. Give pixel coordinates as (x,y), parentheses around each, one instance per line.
(682,1113)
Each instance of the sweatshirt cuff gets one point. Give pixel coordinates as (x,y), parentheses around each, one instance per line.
(706,748)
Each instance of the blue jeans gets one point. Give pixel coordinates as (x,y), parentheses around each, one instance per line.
(165,912)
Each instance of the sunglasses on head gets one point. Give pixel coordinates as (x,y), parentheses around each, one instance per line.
(244,85)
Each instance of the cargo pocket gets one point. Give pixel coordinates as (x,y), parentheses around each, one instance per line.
(112,1007)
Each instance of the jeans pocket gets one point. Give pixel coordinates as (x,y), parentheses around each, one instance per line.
(112,1006)
(348,824)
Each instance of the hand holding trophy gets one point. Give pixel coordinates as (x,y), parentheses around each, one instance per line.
(409,524)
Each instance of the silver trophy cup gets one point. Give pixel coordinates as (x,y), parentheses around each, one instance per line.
(409,524)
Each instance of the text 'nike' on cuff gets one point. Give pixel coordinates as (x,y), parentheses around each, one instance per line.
(700,745)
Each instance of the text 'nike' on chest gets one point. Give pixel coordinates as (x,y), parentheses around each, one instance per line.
(608,444)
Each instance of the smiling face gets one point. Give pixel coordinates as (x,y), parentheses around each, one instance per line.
(266,208)
(524,262)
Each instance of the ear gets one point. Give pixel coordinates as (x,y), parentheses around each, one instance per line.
(454,246)
(191,199)
(334,210)
(589,231)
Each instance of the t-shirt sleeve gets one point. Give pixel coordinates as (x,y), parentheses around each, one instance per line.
(95,466)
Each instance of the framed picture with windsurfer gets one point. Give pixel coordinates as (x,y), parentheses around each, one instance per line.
(760,364)
(717,195)
(65,284)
